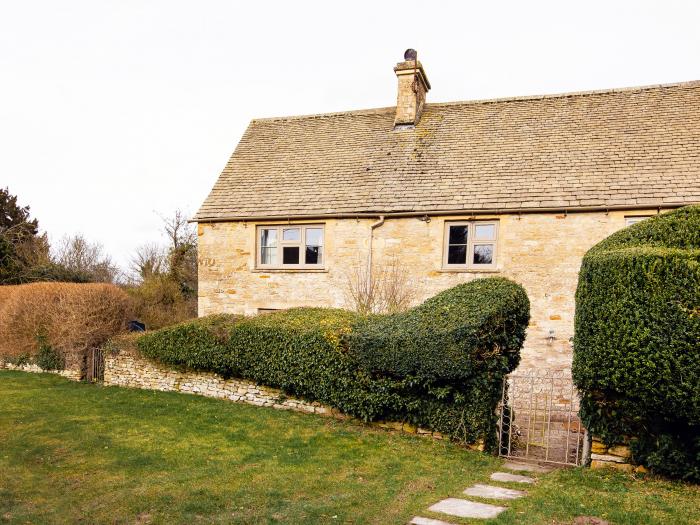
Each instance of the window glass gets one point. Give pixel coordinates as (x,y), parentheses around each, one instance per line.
(314,246)
(314,236)
(484,232)
(290,255)
(457,254)
(629,221)
(291,234)
(268,255)
(314,255)
(268,237)
(458,234)
(483,254)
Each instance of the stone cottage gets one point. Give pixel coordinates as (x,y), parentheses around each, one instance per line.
(518,187)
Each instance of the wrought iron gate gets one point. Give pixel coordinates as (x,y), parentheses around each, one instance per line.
(95,365)
(538,419)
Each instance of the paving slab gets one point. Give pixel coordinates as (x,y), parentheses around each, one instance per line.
(527,467)
(466,509)
(489,491)
(513,478)
(427,521)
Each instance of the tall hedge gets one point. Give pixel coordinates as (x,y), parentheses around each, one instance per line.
(439,365)
(637,342)
(56,324)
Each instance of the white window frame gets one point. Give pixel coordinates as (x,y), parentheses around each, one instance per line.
(301,243)
(634,219)
(471,241)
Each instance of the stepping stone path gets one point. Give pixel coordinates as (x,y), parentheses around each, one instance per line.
(464,508)
(512,478)
(489,491)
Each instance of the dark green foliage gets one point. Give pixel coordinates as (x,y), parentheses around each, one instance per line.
(439,365)
(21,246)
(637,343)
(451,337)
(47,357)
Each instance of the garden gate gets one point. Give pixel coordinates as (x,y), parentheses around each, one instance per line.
(538,418)
(95,365)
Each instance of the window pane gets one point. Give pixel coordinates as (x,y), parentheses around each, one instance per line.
(268,255)
(290,255)
(483,253)
(457,254)
(268,237)
(484,232)
(458,234)
(291,234)
(314,255)
(314,236)
(629,221)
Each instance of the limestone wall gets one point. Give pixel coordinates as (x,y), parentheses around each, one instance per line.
(616,456)
(128,369)
(540,251)
(73,375)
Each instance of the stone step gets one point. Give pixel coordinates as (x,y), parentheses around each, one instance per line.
(418,520)
(489,491)
(526,467)
(464,508)
(513,478)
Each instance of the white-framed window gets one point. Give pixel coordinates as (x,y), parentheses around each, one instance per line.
(470,245)
(634,219)
(290,246)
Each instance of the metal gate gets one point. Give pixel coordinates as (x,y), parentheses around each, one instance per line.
(538,419)
(95,365)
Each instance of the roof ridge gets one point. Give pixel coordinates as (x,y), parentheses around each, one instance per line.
(630,89)
(374,111)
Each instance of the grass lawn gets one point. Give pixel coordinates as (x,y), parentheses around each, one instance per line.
(77,453)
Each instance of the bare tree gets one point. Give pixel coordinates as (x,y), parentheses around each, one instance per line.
(379,289)
(178,230)
(149,260)
(82,257)
(396,289)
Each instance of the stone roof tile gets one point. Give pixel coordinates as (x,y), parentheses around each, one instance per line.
(607,148)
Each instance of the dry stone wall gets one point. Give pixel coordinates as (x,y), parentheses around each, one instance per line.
(128,369)
(616,456)
(73,375)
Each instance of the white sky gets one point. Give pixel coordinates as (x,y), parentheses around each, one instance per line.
(112,112)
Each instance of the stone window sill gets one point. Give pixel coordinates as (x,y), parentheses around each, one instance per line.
(469,270)
(289,270)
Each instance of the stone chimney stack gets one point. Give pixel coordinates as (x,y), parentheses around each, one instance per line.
(413,86)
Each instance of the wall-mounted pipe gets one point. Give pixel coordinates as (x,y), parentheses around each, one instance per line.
(372,227)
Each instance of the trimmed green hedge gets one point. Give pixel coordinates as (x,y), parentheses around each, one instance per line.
(438,366)
(637,342)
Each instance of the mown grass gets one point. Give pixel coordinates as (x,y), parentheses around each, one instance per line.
(76,453)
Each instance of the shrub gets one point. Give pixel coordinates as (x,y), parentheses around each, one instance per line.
(450,353)
(57,323)
(458,346)
(47,358)
(636,348)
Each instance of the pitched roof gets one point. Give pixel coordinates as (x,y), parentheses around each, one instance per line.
(614,148)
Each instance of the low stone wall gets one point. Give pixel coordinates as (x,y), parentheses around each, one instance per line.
(73,375)
(616,456)
(128,369)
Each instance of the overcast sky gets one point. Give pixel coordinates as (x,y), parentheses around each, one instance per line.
(114,112)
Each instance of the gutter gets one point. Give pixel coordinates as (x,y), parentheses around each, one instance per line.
(437,213)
